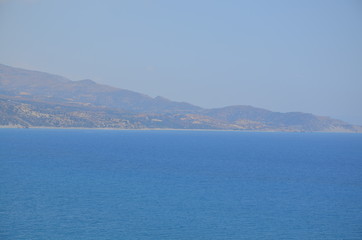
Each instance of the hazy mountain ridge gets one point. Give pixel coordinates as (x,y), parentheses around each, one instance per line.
(36,99)
(44,86)
(297,120)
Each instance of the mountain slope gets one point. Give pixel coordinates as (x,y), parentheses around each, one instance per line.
(291,121)
(22,112)
(36,99)
(53,88)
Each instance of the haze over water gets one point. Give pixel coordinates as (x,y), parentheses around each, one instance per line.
(281,55)
(100,184)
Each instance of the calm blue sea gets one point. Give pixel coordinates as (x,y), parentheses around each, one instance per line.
(104,184)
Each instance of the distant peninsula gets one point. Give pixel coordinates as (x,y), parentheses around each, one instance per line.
(36,99)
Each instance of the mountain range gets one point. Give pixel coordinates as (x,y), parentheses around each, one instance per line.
(37,99)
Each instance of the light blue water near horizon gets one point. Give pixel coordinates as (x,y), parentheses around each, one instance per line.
(105,184)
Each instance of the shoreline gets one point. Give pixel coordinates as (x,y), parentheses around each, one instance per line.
(172,129)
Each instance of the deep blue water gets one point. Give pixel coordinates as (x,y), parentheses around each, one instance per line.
(103,184)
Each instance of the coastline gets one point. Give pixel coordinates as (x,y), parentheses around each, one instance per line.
(173,129)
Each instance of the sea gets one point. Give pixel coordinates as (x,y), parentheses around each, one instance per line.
(204,185)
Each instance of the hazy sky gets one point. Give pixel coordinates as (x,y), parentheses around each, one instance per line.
(280,55)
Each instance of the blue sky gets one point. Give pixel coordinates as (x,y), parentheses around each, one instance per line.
(280,55)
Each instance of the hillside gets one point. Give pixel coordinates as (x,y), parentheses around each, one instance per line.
(37,99)
(53,88)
